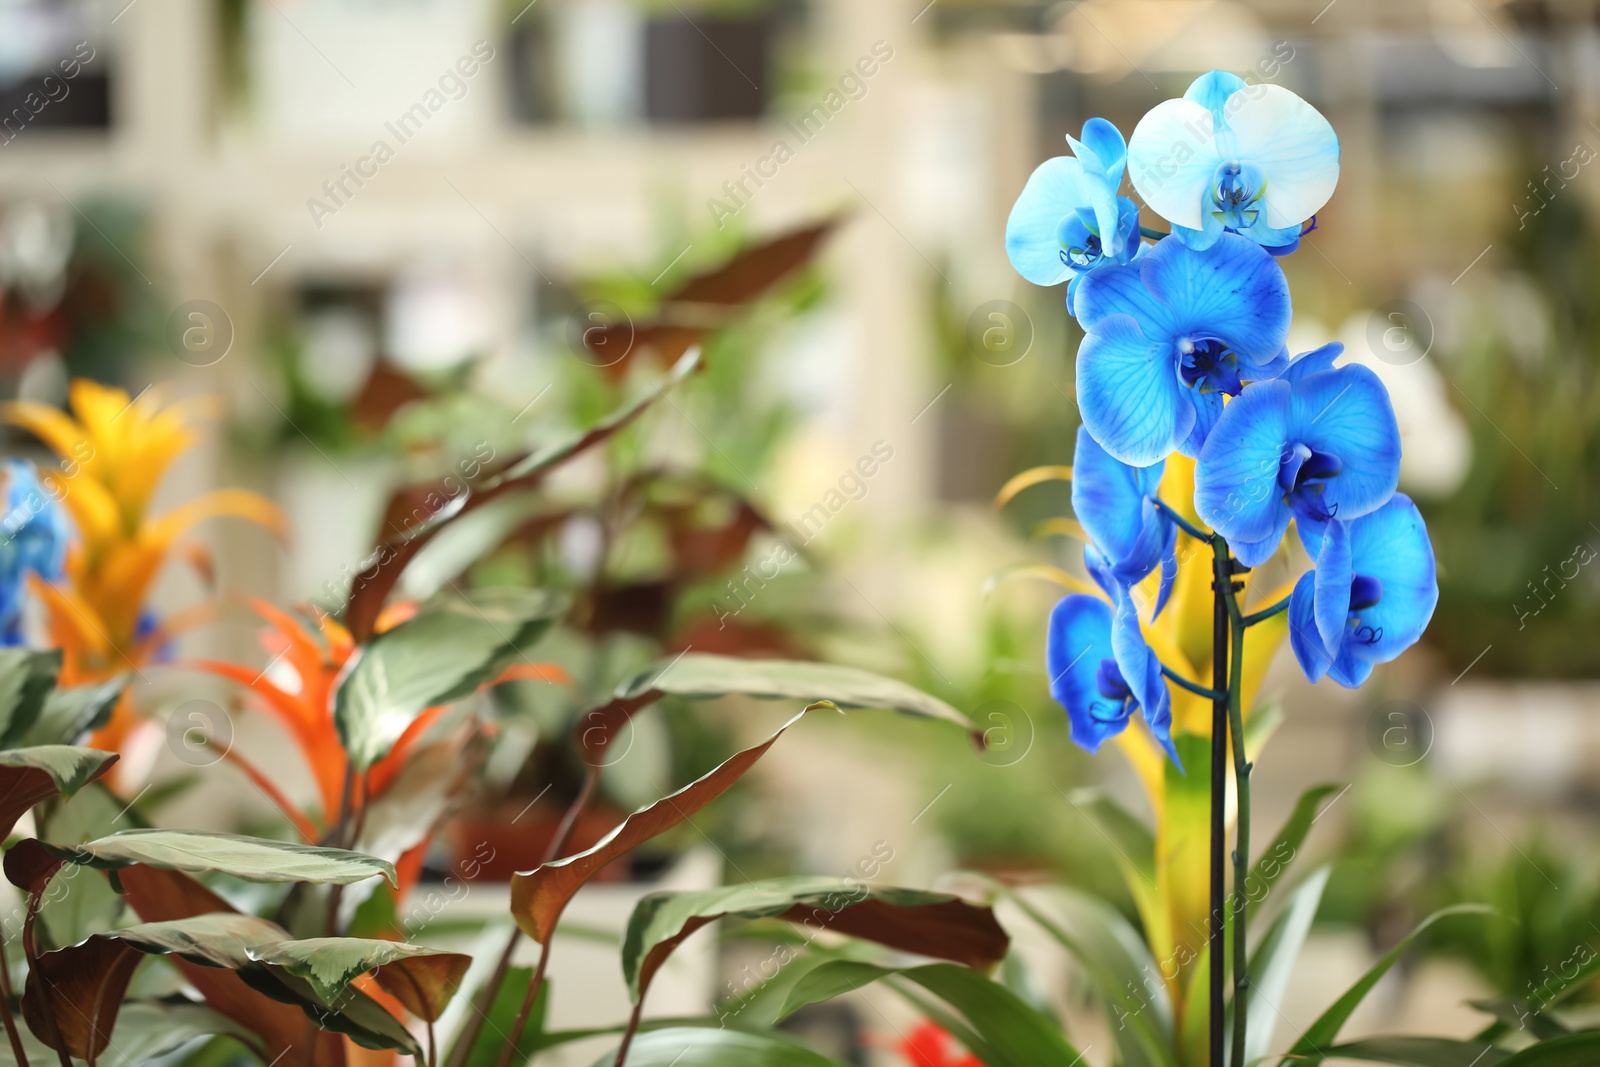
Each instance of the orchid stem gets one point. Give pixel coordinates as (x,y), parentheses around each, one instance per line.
(1221,577)
(1193,687)
(1156,235)
(1241,843)
(1266,613)
(1183,524)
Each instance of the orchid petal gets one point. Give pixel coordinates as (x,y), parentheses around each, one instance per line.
(1292,142)
(1234,292)
(1129,393)
(1346,412)
(1303,637)
(1314,362)
(1055,188)
(1212,90)
(1235,483)
(1171,158)
(1142,672)
(1331,586)
(1392,545)
(1079,641)
(1121,290)
(1111,500)
(1207,410)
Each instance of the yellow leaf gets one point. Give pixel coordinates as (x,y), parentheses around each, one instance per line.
(238,503)
(1061,528)
(1043,572)
(55,428)
(1027,479)
(98,518)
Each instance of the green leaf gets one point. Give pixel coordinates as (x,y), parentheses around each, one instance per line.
(70,768)
(390,560)
(218,939)
(84,903)
(353,1013)
(253,859)
(1425,1052)
(929,924)
(1515,1013)
(74,994)
(39,1054)
(464,541)
(539,896)
(148,1029)
(1574,1050)
(1116,960)
(703,676)
(447,651)
(31,775)
(1277,857)
(688,1046)
(405,814)
(1134,847)
(26,678)
(68,715)
(1009,1033)
(1272,864)
(1325,1031)
(502,1016)
(1273,960)
(1132,838)
(423,979)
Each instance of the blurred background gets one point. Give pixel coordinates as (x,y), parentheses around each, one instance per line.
(381,231)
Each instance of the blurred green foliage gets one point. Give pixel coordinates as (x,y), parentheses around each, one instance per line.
(1530,393)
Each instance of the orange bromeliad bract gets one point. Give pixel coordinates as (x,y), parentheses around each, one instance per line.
(113,452)
(305,710)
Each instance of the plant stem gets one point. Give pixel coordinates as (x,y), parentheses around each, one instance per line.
(1266,613)
(1194,687)
(339,838)
(491,988)
(1221,576)
(527,1006)
(5,1009)
(1145,231)
(1241,843)
(627,1034)
(1183,524)
(433,1046)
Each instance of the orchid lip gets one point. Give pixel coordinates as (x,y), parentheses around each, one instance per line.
(1208,365)
(1303,474)
(1365,592)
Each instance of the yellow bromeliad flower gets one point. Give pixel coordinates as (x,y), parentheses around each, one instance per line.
(113,452)
(1173,899)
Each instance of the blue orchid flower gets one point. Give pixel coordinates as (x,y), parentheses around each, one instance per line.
(1370,597)
(1227,157)
(34,531)
(1101,672)
(1115,503)
(1069,219)
(1315,445)
(1169,335)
